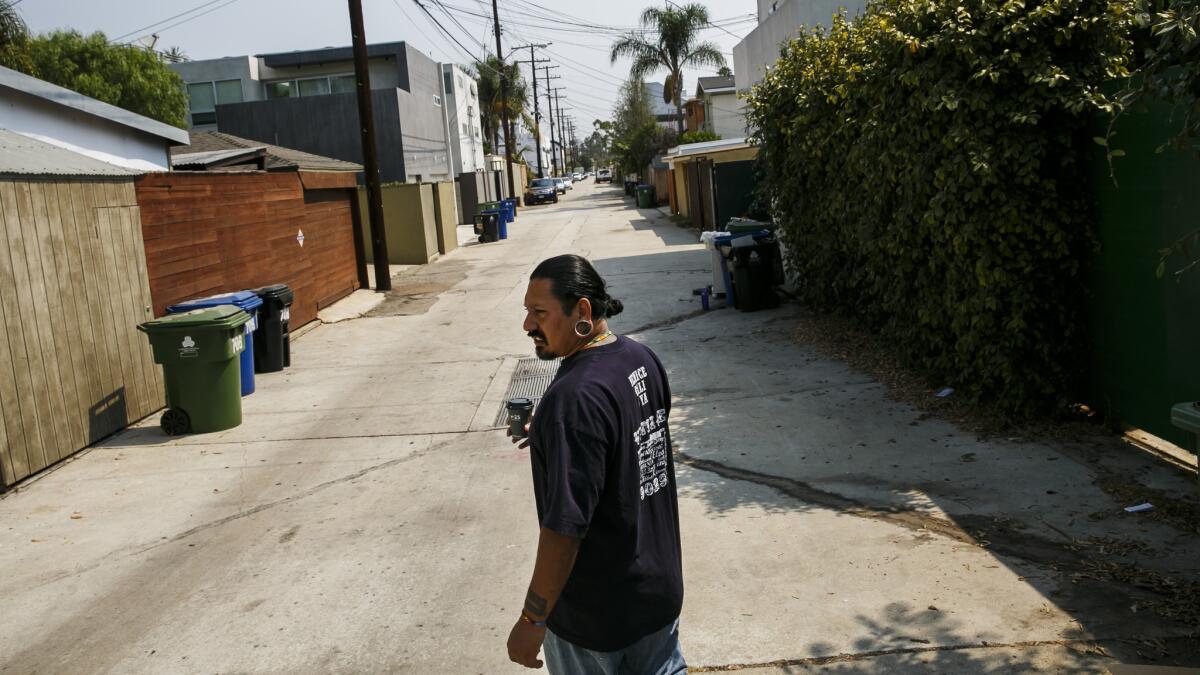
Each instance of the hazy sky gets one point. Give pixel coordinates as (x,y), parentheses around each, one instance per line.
(582,32)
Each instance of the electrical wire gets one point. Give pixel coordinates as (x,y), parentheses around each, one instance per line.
(170,18)
(410,21)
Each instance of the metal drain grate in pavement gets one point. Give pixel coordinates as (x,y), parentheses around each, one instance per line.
(530,380)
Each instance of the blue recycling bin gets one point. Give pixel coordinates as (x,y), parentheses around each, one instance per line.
(510,209)
(247,301)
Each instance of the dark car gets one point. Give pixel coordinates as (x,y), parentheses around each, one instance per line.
(540,191)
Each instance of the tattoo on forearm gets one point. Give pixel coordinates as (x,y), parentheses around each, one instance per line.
(535,605)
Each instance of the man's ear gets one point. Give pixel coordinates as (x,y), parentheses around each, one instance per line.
(583,309)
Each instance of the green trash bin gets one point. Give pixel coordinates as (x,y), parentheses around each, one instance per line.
(200,354)
(645,196)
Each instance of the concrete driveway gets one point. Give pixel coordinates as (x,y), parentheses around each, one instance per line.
(369,517)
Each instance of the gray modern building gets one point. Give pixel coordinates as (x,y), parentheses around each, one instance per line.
(306,100)
(778,22)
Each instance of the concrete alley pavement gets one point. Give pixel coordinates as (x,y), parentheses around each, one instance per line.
(369,516)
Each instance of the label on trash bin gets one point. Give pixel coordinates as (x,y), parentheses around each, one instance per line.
(252,325)
(188,348)
(286,314)
(238,342)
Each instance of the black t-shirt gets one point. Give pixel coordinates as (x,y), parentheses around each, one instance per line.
(603,472)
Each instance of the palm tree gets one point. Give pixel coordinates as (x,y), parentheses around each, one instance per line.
(676,47)
(12,27)
(491,106)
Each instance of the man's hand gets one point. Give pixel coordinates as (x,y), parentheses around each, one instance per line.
(524,643)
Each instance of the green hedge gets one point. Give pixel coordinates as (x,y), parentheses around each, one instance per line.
(924,162)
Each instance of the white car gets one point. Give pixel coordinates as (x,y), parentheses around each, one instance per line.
(577,177)
(604,176)
(568,182)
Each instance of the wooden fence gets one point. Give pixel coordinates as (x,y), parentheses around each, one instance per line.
(210,233)
(73,287)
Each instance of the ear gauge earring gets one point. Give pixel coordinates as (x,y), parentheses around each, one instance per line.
(587,330)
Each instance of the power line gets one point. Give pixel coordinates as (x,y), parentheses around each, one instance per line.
(171,18)
(443,52)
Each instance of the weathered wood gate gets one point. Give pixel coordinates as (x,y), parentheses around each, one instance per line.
(73,287)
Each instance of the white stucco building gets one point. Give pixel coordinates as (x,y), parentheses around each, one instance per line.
(81,124)
(724,112)
(463,118)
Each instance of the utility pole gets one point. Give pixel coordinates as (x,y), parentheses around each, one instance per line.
(508,139)
(550,108)
(574,144)
(537,115)
(366,123)
(561,136)
(562,131)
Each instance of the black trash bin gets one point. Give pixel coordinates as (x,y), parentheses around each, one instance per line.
(756,271)
(487,226)
(273,352)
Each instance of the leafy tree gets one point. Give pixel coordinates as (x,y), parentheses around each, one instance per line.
(636,137)
(697,137)
(492,105)
(676,47)
(128,77)
(594,151)
(725,71)
(927,163)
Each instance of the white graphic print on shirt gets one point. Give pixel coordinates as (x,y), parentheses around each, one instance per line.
(651,440)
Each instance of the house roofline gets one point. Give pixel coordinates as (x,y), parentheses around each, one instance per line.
(32,86)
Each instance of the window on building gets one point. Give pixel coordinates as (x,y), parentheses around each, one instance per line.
(449,81)
(281,89)
(228,91)
(202,103)
(204,97)
(466,130)
(311,86)
(317,87)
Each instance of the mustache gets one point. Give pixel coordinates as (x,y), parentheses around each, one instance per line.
(537,334)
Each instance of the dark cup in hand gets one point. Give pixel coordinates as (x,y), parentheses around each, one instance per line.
(519,411)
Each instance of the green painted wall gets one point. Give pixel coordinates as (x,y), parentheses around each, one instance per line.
(411,226)
(1145,331)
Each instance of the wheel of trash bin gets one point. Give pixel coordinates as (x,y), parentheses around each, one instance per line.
(175,422)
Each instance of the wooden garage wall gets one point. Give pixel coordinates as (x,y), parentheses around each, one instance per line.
(210,233)
(73,287)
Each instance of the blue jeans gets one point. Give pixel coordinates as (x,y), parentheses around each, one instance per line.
(655,654)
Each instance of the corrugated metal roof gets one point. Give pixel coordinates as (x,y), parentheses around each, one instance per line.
(190,160)
(278,158)
(12,79)
(25,156)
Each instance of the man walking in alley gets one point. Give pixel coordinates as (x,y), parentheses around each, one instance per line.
(607,583)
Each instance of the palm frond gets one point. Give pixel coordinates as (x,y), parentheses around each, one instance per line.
(705,55)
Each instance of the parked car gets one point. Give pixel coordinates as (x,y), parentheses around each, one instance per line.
(542,190)
(578,177)
(559,185)
(568,182)
(604,176)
